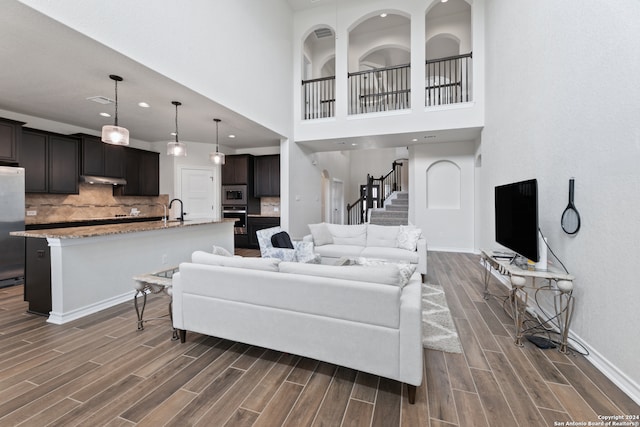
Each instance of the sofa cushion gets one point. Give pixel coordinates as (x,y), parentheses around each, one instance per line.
(405,269)
(266,264)
(385,236)
(321,234)
(384,274)
(408,237)
(391,254)
(355,235)
(338,251)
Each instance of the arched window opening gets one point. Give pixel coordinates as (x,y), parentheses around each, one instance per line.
(318,84)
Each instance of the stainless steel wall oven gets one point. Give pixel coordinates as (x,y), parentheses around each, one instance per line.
(239,213)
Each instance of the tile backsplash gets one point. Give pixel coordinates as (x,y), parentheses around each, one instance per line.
(270,206)
(93,202)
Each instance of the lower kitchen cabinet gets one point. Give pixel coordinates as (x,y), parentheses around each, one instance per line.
(255,223)
(37,276)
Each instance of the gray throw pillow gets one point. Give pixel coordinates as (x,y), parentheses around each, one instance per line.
(321,234)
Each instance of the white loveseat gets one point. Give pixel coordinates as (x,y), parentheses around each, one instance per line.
(395,243)
(364,318)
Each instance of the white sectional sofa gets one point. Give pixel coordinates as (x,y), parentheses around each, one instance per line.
(396,243)
(364,318)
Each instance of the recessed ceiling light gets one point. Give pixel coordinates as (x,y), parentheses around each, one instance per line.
(105,114)
(383,15)
(354,144)
(143,104)
(443,1)
(414,140)
(232,136)
(172,134)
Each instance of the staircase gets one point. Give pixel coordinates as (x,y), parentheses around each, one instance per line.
(394,212)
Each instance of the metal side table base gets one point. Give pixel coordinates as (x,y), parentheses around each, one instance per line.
(156,282)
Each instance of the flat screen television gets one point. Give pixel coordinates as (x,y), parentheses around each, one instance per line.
(516,212)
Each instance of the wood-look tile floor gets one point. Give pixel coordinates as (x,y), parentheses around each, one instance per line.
(100,370)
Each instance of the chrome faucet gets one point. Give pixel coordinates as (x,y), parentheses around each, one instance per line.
(181,217)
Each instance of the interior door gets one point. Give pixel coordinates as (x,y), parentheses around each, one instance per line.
(337,202)
(197,192)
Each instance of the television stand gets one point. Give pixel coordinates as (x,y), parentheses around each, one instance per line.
(560,284)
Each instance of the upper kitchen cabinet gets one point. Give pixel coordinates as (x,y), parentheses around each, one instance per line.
(50,161)
(267,176)
(238,169)
(100,159)
(10,133)
(142,172)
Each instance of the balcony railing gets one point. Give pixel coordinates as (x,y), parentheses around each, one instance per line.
(448,80)
(380,89)
(319,98)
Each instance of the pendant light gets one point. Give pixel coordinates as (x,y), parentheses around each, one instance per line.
(115,134)
(217,157)
(176,148)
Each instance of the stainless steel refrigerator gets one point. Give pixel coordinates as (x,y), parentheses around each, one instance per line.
(11,219)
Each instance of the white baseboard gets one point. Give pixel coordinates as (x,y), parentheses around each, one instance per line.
(608,369)
(62,318)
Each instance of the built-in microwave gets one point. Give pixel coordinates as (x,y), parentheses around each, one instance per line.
(234,195)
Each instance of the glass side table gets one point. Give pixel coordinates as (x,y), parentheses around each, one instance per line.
(155,282)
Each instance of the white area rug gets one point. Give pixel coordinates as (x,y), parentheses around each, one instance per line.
(438,330)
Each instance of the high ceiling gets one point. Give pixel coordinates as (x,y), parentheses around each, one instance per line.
(49,71)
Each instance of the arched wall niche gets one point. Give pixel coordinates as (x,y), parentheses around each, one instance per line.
(443,185)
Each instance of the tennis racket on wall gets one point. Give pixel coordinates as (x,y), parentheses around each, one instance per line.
(570,218)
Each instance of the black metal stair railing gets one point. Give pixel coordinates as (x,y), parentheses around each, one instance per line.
(387,184)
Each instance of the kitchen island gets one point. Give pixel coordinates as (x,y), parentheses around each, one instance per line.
(91,267)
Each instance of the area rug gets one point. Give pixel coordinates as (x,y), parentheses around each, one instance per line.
(438,330)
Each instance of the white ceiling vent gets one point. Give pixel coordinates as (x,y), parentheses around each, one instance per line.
(323,32)
(100,100)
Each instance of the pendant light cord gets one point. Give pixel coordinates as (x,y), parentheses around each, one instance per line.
(176,122)
(116,121)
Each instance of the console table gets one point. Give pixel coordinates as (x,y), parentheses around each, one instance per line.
(560,284)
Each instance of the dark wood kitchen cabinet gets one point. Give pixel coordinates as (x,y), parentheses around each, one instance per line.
(50,161)
(142,172)
(37,276)
(100,159)
(267,176)
(255,223)
(10,135)
(237,169)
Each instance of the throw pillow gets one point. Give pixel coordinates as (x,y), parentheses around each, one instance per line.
(408,237)
(405,269)
(219,250)
(281,240)
(321,234)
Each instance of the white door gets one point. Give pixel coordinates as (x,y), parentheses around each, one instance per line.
(197,191)
(337,202)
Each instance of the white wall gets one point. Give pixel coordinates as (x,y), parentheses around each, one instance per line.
(447,228)
(236,52)
(562,101)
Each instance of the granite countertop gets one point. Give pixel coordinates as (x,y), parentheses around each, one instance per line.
(110,229)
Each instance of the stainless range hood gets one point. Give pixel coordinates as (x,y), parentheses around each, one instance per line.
(93,179)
